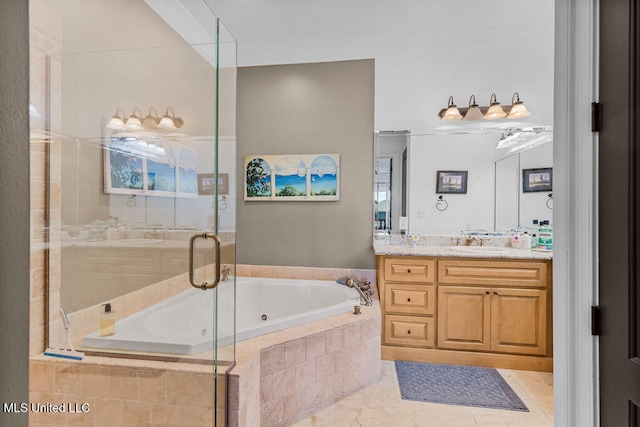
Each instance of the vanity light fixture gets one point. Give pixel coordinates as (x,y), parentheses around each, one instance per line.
(134,122)
(170,121)
(151,121)
(518,110)
(120,121)
(117,121)
(452,113)
(494,111)
(473,113)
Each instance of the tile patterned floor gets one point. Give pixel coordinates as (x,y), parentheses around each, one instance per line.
(381,405)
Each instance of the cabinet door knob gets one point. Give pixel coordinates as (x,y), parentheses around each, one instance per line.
(409,332)
(408,299)
(409,271)
(495,293)
(487,292)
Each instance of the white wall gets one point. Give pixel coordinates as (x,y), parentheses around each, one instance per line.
(431,153)
(425,51)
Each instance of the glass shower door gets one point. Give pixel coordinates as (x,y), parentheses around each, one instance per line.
(141,182)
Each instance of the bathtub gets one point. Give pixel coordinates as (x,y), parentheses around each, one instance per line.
(182,324)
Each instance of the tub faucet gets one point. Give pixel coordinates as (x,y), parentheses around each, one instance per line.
(226,272)
(363,288)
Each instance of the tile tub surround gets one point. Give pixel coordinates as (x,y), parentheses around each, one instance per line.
(279,378)
(347,345)
(299,371)
(121,392)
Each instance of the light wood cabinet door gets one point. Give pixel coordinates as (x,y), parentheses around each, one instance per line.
(518,321)
(464,320)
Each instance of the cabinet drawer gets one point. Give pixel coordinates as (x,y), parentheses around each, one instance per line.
(409,331)
(409,298)
(510,273)
(409,270)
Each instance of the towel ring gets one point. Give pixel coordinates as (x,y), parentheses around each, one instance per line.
(441,204)
(222,203)
(549,202)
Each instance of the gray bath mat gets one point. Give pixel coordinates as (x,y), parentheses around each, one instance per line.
(456,385)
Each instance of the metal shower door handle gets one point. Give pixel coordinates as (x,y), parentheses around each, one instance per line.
(204,285)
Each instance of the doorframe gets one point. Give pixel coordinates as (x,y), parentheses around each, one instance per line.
(575,214)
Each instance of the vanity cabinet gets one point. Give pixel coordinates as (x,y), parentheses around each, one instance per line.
(486,312)
(502,320)
(409,302)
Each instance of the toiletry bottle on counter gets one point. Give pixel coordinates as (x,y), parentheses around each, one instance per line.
(534,234)
(545,236)
(526,240)
(107,321)
(515,240)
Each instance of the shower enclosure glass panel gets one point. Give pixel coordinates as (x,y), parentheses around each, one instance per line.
(145,160)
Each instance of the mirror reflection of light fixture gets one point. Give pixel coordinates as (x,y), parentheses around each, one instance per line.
(518,110)
(495,111)
(473,113)
(170,121)
(452,114)
(151,121)
(117,122)
(120,121)
(134,122)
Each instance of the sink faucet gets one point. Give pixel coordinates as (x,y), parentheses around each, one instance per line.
(226,272)
(363,288)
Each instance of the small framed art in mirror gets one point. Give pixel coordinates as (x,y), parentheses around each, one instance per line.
(452,182)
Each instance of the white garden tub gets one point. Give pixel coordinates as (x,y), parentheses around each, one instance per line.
(183,323)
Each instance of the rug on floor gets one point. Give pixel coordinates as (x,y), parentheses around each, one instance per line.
(456,385)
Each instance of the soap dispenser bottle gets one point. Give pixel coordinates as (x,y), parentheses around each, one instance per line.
(107,321)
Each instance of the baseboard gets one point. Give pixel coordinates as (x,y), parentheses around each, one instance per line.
(489,360)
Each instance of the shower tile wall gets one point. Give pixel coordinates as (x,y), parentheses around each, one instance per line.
(45,38)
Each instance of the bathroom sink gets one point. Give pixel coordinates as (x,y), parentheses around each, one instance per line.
(137,242)
(480,249)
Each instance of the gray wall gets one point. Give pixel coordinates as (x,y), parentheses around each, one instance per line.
(309,109)
(14,208)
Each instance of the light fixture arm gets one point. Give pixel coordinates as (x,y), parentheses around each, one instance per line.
(124,114)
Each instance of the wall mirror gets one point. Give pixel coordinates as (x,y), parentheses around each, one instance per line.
(405,182)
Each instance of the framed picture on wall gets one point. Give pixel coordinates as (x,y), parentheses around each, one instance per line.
(451,182)
(534,180)
(207,184)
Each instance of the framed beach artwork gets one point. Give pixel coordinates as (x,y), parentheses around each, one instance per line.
(534,180)
(311,177)
(451,182)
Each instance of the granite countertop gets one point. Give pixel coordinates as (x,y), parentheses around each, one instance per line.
(446,251)
(497,247)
